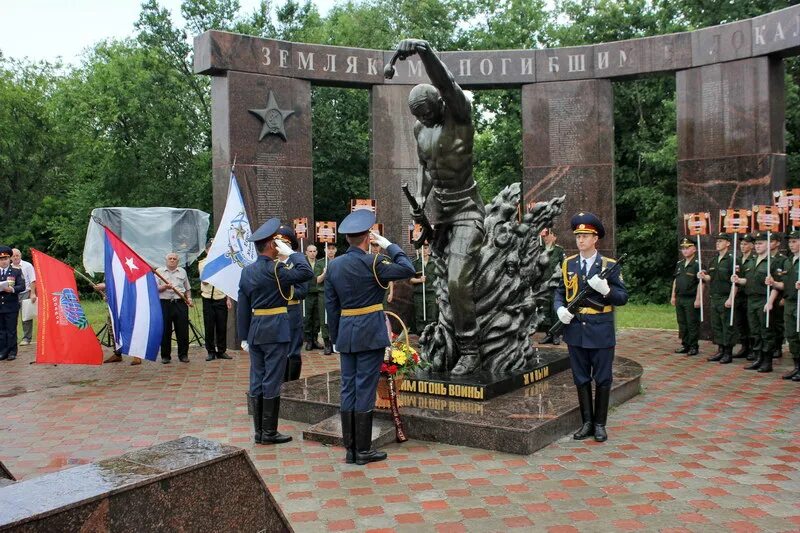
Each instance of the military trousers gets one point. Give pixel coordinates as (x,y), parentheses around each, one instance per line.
(8,334)
(323,323)
(724,334)
(591,364)
(688,320)
(296,329)
(360,373)
(740,317)
(762,338)
(790,327)
(431,310)
(312,318)
(267,367)
(549,316)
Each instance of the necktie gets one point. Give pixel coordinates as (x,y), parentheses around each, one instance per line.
(583,268)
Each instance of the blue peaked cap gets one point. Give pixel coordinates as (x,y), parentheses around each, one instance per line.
(288,232)
(358,221)
(585,222)
(267,230)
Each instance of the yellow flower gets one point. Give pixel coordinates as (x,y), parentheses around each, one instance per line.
(399,357)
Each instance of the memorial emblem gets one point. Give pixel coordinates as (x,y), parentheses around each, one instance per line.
(240,250)
(70,310)
(273,118)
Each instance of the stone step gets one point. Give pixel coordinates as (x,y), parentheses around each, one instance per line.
(329,431)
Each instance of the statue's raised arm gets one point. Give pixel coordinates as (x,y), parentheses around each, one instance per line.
(454,98)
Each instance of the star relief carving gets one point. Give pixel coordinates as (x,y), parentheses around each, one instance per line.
(273,118)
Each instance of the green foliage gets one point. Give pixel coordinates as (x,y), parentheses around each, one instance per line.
(130,125)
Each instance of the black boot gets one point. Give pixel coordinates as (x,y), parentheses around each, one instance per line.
(745,350)
(585,403)
(557,340)
(727,355)
(694,350)
(778,352)
(601,397)
(269,422)
(717,356)
(211,356)
(328,347)
(364,453)
(309,345)
(293,367)
(756,362)
(766,364)
(255,408)
(796,377)
(348,436)
(547,340)
(796,371)
(682,349)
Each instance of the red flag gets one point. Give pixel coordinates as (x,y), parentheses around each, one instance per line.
(64,335)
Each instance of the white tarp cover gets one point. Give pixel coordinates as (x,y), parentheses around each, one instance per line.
(152,232)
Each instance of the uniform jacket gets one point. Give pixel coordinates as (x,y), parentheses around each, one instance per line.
(720,270)
(258,289)
(300,293)
(313,286)
(686,280)
(350,284)
(590,330)
(9,301)
(430,277)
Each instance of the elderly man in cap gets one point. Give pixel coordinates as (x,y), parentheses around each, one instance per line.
(355,286)
(294,364)
(686,298)
(718,277)
(265,289)
(589,333)
(12,284)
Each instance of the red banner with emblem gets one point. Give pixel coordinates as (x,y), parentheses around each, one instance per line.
(64,336)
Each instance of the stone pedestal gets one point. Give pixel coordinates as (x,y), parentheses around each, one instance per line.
(568,148)
(274,174)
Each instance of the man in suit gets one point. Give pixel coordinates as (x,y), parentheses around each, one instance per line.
(12,284)
(355,286)
(315,300)
(294,364)
(265,289)
(589,333)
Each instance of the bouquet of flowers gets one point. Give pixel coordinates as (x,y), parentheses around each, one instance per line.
(401,359)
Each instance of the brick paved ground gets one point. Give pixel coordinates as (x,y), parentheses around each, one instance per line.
(707,447)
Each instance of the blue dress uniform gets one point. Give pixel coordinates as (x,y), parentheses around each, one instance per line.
(265,289)
(294,364)
(9,305)
(355,286)
(590,336)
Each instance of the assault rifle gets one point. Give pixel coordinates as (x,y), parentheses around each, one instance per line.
(577,302)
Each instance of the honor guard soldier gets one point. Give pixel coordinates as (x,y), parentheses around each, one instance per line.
(355,286)
(315,300)
(719,279)
(555,256)
(789,286)
(762,338)
(589,333)
(686,298)
(427,276)
(265,289)
(746,262)
(294,364)
(11,284)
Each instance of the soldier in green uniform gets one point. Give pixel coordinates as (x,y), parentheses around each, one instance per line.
(686,298)
(330,253)
(775,244)
(789,286)
(555,256)
(745,261)
(314,300)
(718,278)
(758,306)
(425,276)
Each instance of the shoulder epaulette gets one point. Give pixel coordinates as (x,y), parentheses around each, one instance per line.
(610,260)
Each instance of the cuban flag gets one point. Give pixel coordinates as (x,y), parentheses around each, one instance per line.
(231,251)
(132,296)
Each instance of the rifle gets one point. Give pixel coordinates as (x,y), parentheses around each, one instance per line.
(576,302)
(427,229)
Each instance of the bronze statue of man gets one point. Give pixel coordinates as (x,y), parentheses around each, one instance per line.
(444,134)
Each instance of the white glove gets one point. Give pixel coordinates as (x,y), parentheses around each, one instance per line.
(381,241)
(599,284)
(245,346)
(564,315)
(283,248)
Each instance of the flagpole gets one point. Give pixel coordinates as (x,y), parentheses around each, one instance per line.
(769,269)
(304,300)
(424,307)
(325,309)
(700,268)
(90,282)
(733,284)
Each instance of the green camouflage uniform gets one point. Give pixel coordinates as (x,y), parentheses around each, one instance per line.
(763,338)
(790,307)
(685,294)
(431,306)
(720,270)
(314,304)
